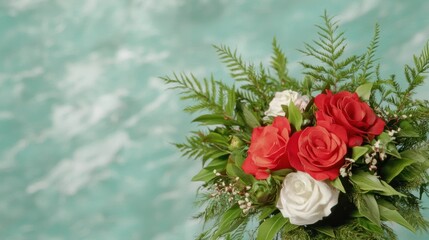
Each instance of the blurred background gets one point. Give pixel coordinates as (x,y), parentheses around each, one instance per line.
(86,123)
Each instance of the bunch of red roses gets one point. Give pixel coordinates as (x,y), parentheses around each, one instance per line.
(343,121)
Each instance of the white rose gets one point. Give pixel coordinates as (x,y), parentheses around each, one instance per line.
(305,200)
(285,98)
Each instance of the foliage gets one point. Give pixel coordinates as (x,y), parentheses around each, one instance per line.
(234,202)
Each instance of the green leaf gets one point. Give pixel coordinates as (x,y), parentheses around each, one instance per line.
(230,220)
(407,130)
(215,154)
(368,225)
(384,138)
(204,175)
(282,172)
(238,158)
(407,134)
(359,151)
(214,119)
(364,91)
(233,171)
(213,137)
(392,150)
(394,166)
(294,116)
(270,227)
(218,164)
(266,212)
(388,214)
(327,230)
(368,207)
(415,155)
(367,182)
(338,184)
(249,117)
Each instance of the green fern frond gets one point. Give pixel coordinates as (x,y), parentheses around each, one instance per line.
(254,81)
(209,95)
(233,61)
(368,66)
(415,77)
(278,62)
(328,49)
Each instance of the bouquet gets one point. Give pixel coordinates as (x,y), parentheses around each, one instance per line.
(340,154)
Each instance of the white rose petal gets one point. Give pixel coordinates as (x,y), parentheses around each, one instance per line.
(305,200)
(285,98)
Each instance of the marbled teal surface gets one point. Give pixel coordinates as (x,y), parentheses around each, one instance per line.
(86,124)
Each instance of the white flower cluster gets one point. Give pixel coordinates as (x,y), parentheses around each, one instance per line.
(284,99)
(378,152)
(234,193)
(346,169)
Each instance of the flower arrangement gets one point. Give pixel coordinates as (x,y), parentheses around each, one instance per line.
(336,155)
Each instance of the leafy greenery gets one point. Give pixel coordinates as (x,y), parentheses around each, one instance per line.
(387,176)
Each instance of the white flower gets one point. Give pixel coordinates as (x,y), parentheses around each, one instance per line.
(305,200)
(285,98)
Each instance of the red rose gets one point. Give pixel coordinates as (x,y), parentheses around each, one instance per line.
(267,149)
(317,152)
(347,110)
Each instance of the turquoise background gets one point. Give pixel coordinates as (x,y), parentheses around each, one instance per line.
(86,124)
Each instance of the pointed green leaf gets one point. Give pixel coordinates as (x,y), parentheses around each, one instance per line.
(407,133)
(215,154)
(289,227)
(367,182)
(384,138)
(270,227)
(407,130)
(213,137)
(282,172)
(415,155)
(238,158)
(364,91)
(218,164)
(391,150)
(230,220)
(266,212)
(359,151)
(394,166)
(336,183)
(233,171)
(368,225)
(213,119)
(294,116)
(368,207)
(204,175)
(388,214)
(249,117)
(327,230)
